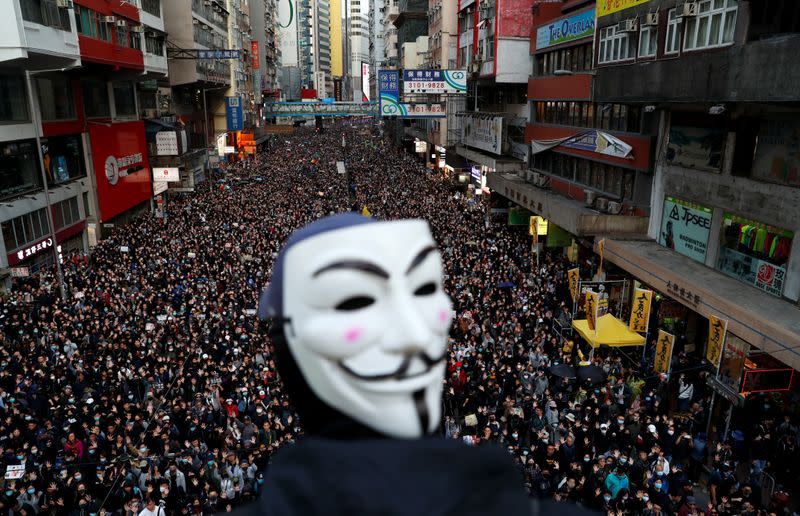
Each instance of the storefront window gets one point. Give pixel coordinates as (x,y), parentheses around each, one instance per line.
(755,253)
(63,159)
(25,229)
(18,168)
(13,99)
(55,98)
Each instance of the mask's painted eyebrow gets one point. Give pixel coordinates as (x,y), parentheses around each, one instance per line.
(420,258)
(358,265)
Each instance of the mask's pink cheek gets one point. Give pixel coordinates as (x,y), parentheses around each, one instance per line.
(352,335)
(443,315)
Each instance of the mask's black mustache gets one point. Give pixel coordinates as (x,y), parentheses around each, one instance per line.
(400,372)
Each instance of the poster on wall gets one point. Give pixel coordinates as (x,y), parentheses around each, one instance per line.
(483,132)
(777,158)
(685,228)
(119,153)
(696,147)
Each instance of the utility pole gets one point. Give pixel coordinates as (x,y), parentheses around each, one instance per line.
(37,127)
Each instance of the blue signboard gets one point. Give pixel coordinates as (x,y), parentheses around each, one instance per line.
(390,105)
(218,54)
(233,113)
(569,29)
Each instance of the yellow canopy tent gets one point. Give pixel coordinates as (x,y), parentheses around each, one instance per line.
(610,332)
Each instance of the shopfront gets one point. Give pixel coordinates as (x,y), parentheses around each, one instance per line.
(121,167)
(63,158)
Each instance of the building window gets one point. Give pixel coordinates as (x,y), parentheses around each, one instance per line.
(55,98)
(19,168)
(648,39)
(90,23)
(95,98)
(713,26)
(614,46)
(63,159)
(122,36)
(490,48)
(576,59)
(124,99)
(612,117)
(25,229)
(674,25)
(13,99)
(46,12)
(152,6)
(615,182)
(66,213)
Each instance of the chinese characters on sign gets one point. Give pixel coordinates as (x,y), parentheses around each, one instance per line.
(256,56)
(591,310)
(716,339)
(640,313)
(33,249)
(434,81)
(663,358)
(673,289)
(574,277)
(217,54)
(233,110)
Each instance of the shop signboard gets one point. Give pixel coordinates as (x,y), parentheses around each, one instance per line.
(435,81)
(575,27)
(767,380)
(606,7)
(558,236)
(170,174)
(663,358)
(365,82)
(233,113)
(777,158)
(255,55)
(160,187)
(518,217)
(696,147)
(20,272)
(167,143)
(725,391)
(685,228)
(640,310)
(29,250)
(483,132)
(119,152)
(716,339)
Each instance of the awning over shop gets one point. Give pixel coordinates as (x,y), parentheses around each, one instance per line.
(610,332)
(765,321)
(262,139)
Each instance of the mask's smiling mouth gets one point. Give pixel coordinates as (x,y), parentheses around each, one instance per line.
(412,366)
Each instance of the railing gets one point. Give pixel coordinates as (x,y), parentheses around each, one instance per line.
(46,12)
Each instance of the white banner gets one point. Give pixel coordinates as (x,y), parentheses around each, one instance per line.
(159,187)
(483,132)
(167,143)
(592,141)
(171,174)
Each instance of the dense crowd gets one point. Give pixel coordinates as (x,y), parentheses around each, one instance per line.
(152,390)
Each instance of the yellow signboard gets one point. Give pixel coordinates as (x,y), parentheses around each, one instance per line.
(605,7)
(661,364)
(591,310)
(574,277)
(716,339)
(640,311)
(537,226)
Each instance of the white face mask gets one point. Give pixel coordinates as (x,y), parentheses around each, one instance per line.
(369,323)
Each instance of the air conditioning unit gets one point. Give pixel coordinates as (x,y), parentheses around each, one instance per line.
(651,19)
(121,23)
(65,4)
(590,197)
(542,181)
(689,9)
(109,19)
(628,25)
(137,28)
(614,208)
(195,21)
(149,113)
(602,204)
(475,67)
(207,3)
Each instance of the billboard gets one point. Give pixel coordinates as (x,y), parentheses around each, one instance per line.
(685,228)
(483,132)
(390,105)
(777,157)
(255,55)
(364,82)
(575,27)
(605,7)
(696,147)
(168,174)
(434,81)
(287,31)
(119,155)
(233,113)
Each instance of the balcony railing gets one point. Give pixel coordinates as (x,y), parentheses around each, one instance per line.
(46,12)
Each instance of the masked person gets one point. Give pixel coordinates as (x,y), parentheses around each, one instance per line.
(360,325)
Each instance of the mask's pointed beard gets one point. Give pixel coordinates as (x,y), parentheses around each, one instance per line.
(422,410)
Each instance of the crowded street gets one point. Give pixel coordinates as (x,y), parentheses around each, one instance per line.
(154,385)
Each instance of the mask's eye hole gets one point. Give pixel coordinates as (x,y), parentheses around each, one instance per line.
(425,290)
(355,303)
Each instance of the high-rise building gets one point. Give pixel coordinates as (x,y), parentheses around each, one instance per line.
(323,80)
(336,38)
(377,46)
(358,29)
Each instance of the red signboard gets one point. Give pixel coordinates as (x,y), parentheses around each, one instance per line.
(121,166)
(255,55)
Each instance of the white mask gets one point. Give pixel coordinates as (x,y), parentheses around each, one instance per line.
(369,321)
